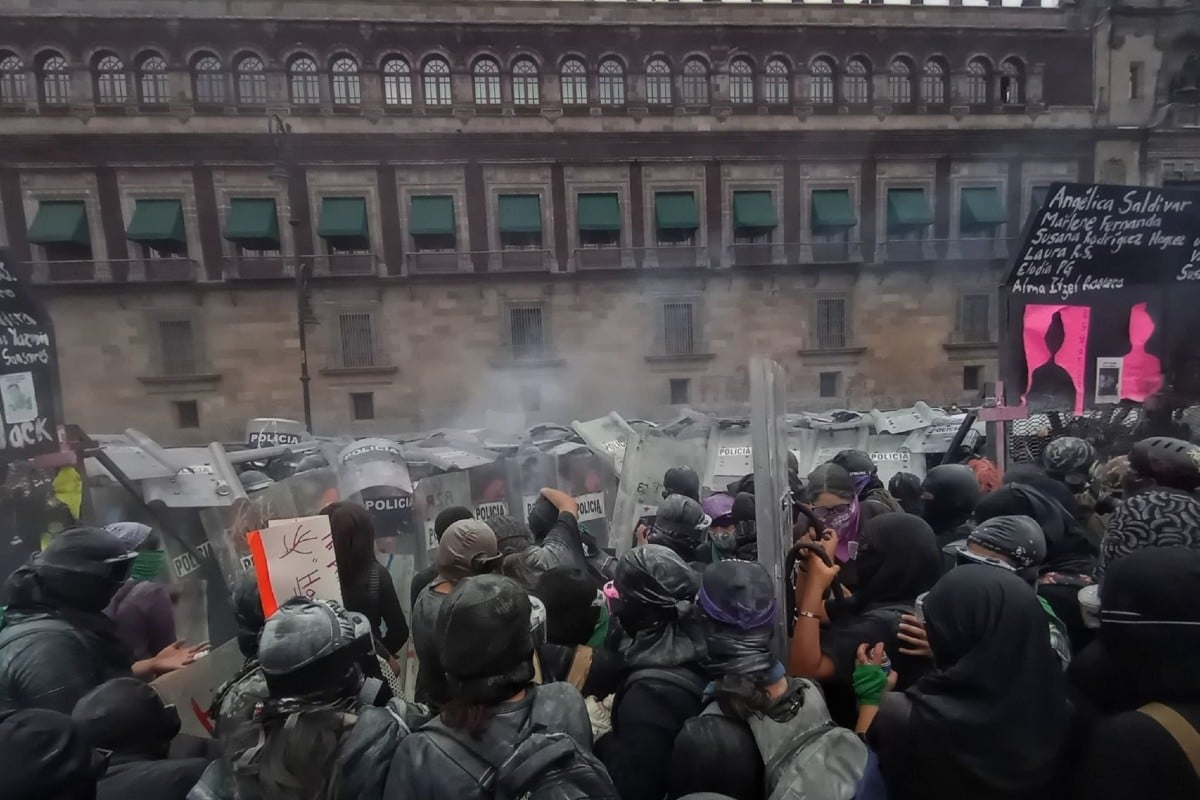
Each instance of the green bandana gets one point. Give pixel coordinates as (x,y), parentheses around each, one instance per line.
(600,632)
(148,565)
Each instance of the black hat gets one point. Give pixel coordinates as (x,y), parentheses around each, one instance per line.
(542,516)
(1069,459)
(856,462)
(484,639)
(832,479)
(43,755)
(682,517)
(512,535)
(682,480)
(744,507)
(1016,537)
(313,647)
(448,516)
(126,715)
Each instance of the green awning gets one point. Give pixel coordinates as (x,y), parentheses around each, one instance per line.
(520,213)
(676,211)
(754,210)
(981,208)
(157,222)
(907,208)
(343,218)
(599,212)
(60,222)
(252,221)
(832,210)
(431,215)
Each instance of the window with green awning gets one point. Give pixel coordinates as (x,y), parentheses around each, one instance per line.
(158,223)
(343,218)
(599,212)
(754,210)
(832,210)
(981,208)
(60,222)
(253,223)
(908,209)
(676,211)
(431,215)
(520,213)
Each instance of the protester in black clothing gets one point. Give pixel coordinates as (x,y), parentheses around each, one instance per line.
(127,717)
(990,722)
(680,525)
(526,558)
(234,701)
(445,518)
(898,559)
(1148,651)
(56,643)
(665,682)
(873,496)
(682,480)
(1151,518)
(581,637)
(367,587)
(949,495)
(43,756)
(906,488)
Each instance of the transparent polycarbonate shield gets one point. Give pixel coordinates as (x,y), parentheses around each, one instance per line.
(607,436)
(828,442)
(648,456)
(891,455)
(730,455)
(489,490)
(370,463)
(772,495)
(275,431)
(587,477)
(529,471)
(437,493)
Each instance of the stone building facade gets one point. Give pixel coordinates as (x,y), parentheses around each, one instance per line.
(551,207)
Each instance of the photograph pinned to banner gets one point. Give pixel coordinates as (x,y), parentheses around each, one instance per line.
(20,398)
(1108,380)
(295,558)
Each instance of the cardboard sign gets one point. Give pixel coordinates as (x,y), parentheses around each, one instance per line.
(294,558)
(29,401)
(191,689)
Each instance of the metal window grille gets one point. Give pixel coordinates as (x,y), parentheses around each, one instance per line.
(397,83)
(525,84)
(362,405)
(831,384)
(527,334)
(487,82)
(820,83)
(856,82)
(933,83)
(975,318)
(251,82)
(832,330)
(436,82)
(900,88)
(612,83)
(305,82)
(658,83)
(112,85)
(209,81)
(777,83)
(741,82)
(154,89)
(1012,82)
(573,78)
(695,83)
(681,391)
(679,329)
(177,347)
(12,80)
(56,81)
(977,83)
(345,82)
(356,332)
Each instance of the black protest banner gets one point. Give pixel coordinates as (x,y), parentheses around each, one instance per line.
(29,401)
(1101,300)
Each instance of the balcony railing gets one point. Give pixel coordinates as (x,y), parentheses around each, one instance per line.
(335,264)
(756,254)
(432,262)
(594,258)
(165,270)
(963,248)
(671,256)
(257,267)
(520,260)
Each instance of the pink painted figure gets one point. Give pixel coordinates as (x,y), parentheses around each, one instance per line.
(1141,373)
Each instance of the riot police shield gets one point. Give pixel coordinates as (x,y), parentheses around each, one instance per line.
(772,494)
(730,455)
(648,456)
(607,437)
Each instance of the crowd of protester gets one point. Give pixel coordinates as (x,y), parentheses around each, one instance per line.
(1034,635)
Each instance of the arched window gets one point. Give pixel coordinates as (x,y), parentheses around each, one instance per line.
(54,79)
(397,82)
(12,80)
(856,83)
(487,82)
(208,80)
(112,84)
(251,82)
(435,82)
(777,82)
(900,82)
(345,82)
(612,82)
(658,83)
(933,83)
(820,82)
(573,79)
(152,81)
(1012,82)
(741,82)
(526,88)
(304,81)
(695,82)
(979,76)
